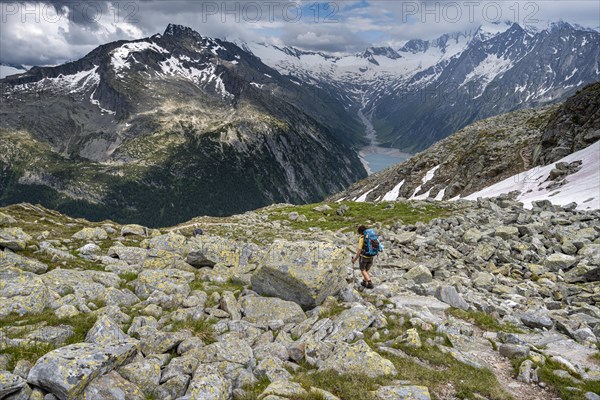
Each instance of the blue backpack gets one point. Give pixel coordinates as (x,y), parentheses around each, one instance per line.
(371,244)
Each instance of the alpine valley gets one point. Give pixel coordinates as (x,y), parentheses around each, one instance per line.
(162,129)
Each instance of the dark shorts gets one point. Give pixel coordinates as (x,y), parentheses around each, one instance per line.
(365,263)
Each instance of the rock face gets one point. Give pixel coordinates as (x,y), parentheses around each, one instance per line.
(302,272)
(67,371)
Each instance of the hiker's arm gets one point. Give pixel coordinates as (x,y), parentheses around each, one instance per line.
(359,251)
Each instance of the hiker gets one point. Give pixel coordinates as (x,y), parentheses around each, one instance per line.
(198,232)
(368,247)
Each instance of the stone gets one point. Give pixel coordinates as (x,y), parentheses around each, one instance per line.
(261,310)
(506,232)
(208,383)
(131,255)
(303,272)
(169,281)
(557,261)
(14,239)
(230,350)
(106,331)
(112,386)
(351,321)
(10,383)
(472,236)
(89,250)
(322,208)
(483,280)
(284,389)
(537,320)
(226,252)
(21,292)
(513,350)
(419,274)
(173,388)
(154,341)
(450,296)
(144,373)
(178,366)
(90,234)
(358,358)
(197,259)
(66,311)
(403,393)
(56,335)
(171,242)
(65,372)
(527,372)
(134,230)
(6,220)
(405,238)
(410,338)
(229,303)
(10,259)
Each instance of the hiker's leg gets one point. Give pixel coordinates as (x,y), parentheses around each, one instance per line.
(365,275)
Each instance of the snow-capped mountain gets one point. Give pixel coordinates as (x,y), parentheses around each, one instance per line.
(11,69)
(137,129)
(427,89)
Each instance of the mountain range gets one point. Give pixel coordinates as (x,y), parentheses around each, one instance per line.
(162,129)
(426,90)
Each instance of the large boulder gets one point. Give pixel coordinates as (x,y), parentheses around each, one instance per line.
(14,239)
(8,258)
(261,310)
(359,359)
(224,251)
(66,372)
(90,234)
(302,272)
(21,292)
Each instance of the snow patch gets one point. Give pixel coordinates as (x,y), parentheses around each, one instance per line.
(363,198)
(120,55)
(393,194)
(582,187)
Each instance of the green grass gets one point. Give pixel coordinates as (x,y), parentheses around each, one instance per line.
(128,276)
(81,324)
(595,358)
(203,329)
(483,320)
(331,311)
(252,392)
(346,387)
(559,385)
(359,213)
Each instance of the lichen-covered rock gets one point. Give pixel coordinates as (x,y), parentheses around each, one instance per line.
(506,232)
(261,310)
(10,383)
(134,230)
(91,234)
(14,239)
(174,387)
(302,272)
(106,331)
(224,251)
(557,261)
(65,372)
(230,350)
(154,341)
(171,242)
(284,389)
(355,319)
(131,255)
(10,259)
(208,383)
(403,393)
(21,292)
(56,335)
(358,358)
(144,373)
(112,386)
(170,281)
(89,285)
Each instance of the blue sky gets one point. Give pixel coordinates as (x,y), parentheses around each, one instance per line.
(53,31)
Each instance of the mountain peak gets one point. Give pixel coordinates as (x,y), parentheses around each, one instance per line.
(180,30)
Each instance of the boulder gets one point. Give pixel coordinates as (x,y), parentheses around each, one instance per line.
(21,292)
(106,331)
(419,274)
(302,272)
(134,230)
(261,310)
(14,239)
(450,296)
(403,393)
(472,235)
(513,350)
(8,258)
(208,383)
(224,251)
(144,373)
(197,259)
(169,281)
(65,372)
(172,242)
(131,255)
(112,386)
(91,234)
(348,322)
(557,261)
(358,358)
(537,320)
(10,383)
(506,232)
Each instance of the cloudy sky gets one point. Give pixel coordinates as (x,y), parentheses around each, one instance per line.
(55,31)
